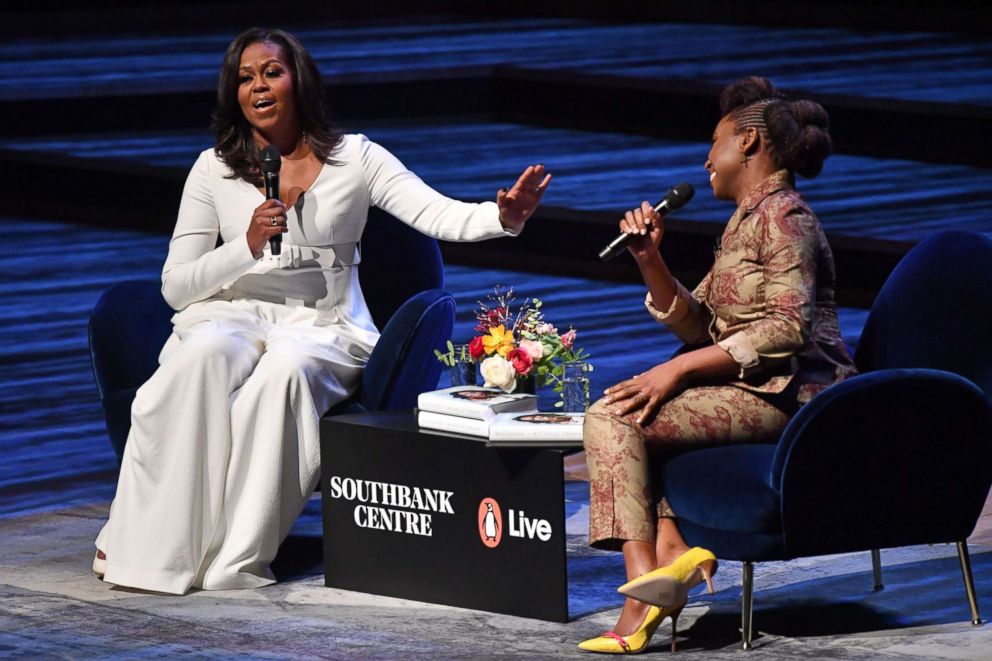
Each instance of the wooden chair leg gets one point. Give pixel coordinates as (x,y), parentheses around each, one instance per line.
(969,581)
(746,601)
(876,569)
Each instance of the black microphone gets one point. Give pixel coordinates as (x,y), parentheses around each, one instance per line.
(271,162)
(674,199)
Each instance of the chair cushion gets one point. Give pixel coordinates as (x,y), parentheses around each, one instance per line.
(753,546)
(725,489)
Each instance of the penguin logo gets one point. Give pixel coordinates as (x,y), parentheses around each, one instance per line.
(490,522)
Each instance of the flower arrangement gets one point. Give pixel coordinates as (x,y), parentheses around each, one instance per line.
(518,345)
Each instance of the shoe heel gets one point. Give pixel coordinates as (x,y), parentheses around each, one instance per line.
(675,621)
(709,581)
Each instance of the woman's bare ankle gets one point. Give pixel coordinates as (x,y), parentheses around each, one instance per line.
(668,553)
(101,555)
(631,617)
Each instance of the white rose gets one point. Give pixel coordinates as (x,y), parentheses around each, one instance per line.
(499,372)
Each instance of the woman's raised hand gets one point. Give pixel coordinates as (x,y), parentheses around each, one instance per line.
(517,204)
(647,228)
(645,393)
(268,219)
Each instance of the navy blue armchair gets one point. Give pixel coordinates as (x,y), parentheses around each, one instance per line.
(402,276)
(899,455)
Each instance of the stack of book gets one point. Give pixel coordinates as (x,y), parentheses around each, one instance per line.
(503,418)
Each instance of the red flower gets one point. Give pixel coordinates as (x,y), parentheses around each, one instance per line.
(521,361)
(475,348)
(568,339)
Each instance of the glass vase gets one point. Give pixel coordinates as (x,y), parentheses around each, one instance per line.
(526,384)
(575,386)
(463,371)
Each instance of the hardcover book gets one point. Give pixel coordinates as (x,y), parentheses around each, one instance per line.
(518,429)
(475,402)
(539,427)
(453,423)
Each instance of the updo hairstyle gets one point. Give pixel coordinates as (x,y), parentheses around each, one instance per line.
(797,132)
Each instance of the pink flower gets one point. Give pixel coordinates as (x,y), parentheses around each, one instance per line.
(546,329)
(534,349)
(568,339)
(521,361)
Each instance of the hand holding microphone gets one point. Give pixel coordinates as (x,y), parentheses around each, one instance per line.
(646,221)
(268,222)
(644,229)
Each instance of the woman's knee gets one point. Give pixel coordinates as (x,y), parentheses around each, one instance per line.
(604,431)
(287,370)
(211,347)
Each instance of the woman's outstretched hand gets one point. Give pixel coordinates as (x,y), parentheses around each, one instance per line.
(517,204)
(647,228)
(646,392)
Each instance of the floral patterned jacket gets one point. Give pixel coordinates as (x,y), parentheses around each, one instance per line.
(768,299)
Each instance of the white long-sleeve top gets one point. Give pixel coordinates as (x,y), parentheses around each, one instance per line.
(317,267)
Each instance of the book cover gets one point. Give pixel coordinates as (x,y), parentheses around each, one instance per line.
(453,423)
(475,402)
(537,427)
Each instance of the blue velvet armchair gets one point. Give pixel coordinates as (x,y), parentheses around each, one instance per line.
(899,455)
(401,274)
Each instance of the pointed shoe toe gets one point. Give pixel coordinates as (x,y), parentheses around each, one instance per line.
(99,565)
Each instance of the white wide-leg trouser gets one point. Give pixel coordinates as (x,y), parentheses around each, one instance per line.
(224,449)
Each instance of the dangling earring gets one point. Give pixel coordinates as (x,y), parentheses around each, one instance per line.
(744,158)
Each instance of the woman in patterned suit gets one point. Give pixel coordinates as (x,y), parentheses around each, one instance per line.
(766,317)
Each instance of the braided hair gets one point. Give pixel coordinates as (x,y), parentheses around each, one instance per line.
(796,132)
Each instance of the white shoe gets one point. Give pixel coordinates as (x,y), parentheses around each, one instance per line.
(99,566)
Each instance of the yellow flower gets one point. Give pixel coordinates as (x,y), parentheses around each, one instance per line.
(498,341)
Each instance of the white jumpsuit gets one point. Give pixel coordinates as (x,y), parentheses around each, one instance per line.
(224,450)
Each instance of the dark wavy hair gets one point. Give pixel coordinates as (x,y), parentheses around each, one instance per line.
(798,131)
(235,144)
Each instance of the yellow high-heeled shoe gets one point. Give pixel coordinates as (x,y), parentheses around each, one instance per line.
(669,586)
(613,643)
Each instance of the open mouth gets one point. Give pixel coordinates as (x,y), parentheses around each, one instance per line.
(262,104)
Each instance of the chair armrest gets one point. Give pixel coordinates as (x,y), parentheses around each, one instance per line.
(403,363)
(889,458)
(127,328)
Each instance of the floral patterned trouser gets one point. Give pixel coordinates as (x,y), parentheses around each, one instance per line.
(622,456)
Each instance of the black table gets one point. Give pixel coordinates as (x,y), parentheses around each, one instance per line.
(405,512)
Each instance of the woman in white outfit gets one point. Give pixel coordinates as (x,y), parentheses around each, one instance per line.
(223,451)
